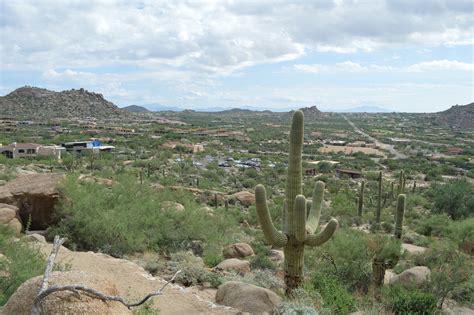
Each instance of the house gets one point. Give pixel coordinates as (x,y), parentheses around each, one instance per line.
(350,173)
(94,146)
(25,150)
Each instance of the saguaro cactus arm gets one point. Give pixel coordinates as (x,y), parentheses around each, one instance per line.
(272,235)
(323,236)
(316,206)
(300,218)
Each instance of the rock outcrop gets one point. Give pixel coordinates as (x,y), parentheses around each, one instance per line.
(233,264)
(414,276)
(247,297)
(66,302)
(245,198)
(34,102)
(35,195)
(237,250)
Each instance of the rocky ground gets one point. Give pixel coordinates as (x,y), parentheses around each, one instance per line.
(133,282)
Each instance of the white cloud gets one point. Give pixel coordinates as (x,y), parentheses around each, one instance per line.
(441,65)
(349,67)
(217,37)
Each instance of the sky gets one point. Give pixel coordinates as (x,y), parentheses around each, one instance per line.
(403,55)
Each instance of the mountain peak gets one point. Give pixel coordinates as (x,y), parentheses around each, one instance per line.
(34,102)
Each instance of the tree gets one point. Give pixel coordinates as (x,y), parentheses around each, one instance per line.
(455,198)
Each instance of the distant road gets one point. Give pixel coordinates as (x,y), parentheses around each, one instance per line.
(390,148)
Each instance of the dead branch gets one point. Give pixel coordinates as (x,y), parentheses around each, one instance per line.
(45,291)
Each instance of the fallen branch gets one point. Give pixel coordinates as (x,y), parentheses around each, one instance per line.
(45,291)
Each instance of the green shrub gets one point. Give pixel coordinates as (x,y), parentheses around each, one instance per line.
(433,225)
(346,255)
(212,260)
(20,263)
(127,218)
(193,271)
(333,293)
(455,198)
(450,270)
(401,300)
(461,232)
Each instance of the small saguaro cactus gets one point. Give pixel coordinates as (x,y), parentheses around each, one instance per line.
(360,200)
(381,199)
(401,183)
(401,204)
(387,248)
(299,224)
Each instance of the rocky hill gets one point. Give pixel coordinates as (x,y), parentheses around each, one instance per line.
(310,113)
(135,109)
(32,102)
(458,116)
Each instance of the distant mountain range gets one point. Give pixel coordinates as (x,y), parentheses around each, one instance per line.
(365,109)
(32,102)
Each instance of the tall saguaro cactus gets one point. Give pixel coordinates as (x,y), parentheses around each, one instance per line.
(379,199)
(360,200)
(299,227)
(401,204)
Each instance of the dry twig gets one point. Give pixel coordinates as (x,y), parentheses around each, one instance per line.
(45,291)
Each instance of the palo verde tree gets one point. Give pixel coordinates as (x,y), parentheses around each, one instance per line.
(300,216)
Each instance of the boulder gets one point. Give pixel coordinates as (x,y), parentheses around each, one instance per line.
(233,264)
(34,238)
(35,195)
(247,297)
(245,198)
(170,205)
(207,210)
(157,187)
(94,179)
(66,302)
(237,250)
(15,224)
(414,276)
(6,215)
(413,249)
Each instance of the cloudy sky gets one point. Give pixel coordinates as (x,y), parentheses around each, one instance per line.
(405,55)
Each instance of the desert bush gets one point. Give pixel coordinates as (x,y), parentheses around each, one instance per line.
(435,225)
(462,233)
(302,302)
(333,293)
(19,264)
(127,217)
(261,260)
(402,300)
(450,269)
(345,256)
(455,198)
(193,271)
(212,260)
